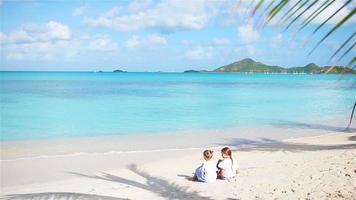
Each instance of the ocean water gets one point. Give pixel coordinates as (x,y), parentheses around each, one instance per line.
(47,105)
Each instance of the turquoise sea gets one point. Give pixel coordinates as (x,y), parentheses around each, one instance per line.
(47,105)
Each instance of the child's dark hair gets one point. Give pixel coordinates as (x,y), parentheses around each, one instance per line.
(208,154)
(227,151)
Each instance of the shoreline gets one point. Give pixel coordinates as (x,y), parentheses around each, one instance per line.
(289,163)
(165,141)
(113,152)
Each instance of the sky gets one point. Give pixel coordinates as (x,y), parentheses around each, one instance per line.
(167,35)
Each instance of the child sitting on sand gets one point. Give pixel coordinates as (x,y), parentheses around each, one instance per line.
(227,167)
(207,171)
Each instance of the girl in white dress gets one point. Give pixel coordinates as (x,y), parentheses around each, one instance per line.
(227,167)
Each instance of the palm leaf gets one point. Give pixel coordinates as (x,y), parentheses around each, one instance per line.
(267,7)
(275,10)
(347,51)
(286,13)
(257,7)
(345,4)
(334,28)
(264,11)
(342,46)
(315,11)
(311,19)
(300,14)
(291,15)
(351,63)
(249,6)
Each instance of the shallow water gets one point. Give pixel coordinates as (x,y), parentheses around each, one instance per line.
(40,105)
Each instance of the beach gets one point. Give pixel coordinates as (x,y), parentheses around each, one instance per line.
(114,100)
(320,165)
(83,135)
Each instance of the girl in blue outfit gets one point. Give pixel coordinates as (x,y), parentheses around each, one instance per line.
(206,172)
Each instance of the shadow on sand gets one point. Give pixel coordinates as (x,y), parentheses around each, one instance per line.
(291,124)
(58,196)
(156,185)
(265,144)
(352,138)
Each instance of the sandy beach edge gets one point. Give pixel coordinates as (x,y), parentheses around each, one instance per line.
(321,166)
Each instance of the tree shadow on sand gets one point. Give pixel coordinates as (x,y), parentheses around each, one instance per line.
(291,124)
(265,144)
(58,196)
(156,185)
(352,138)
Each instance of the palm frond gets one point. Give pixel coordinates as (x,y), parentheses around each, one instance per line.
(342,46)
(266,8)
(289,11)
(317,14)
(293,13)
(257,7)
(351,63)
(275,10)
(315,11)
(347,51)
(264,12)
(347,17)
(249,6)
(321,25)
(300,14)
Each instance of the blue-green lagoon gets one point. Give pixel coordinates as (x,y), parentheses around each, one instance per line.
(50,105)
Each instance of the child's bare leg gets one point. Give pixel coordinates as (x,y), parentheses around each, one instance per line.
(194,178)
(221,174)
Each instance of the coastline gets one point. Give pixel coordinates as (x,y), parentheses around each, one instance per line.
(170,141)
(36,165)
(280,169)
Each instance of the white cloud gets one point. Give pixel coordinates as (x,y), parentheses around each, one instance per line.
(200,53)
(166,16)
(103,44)
(329,11)
(50,41)
(80,10)
(47,50)
(58,49)
(247,34)
(149,41)
(37,33)
(58,30)
(139,5)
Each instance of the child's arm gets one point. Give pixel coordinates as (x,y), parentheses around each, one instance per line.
(203,170)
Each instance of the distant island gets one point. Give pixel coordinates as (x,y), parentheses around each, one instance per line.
(191,71)
(195,71)
(118,70)
(248,65)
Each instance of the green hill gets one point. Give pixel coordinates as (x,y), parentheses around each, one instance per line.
(249,65)
(338,70)
(310,68)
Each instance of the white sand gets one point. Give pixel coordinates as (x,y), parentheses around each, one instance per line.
(317,167)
